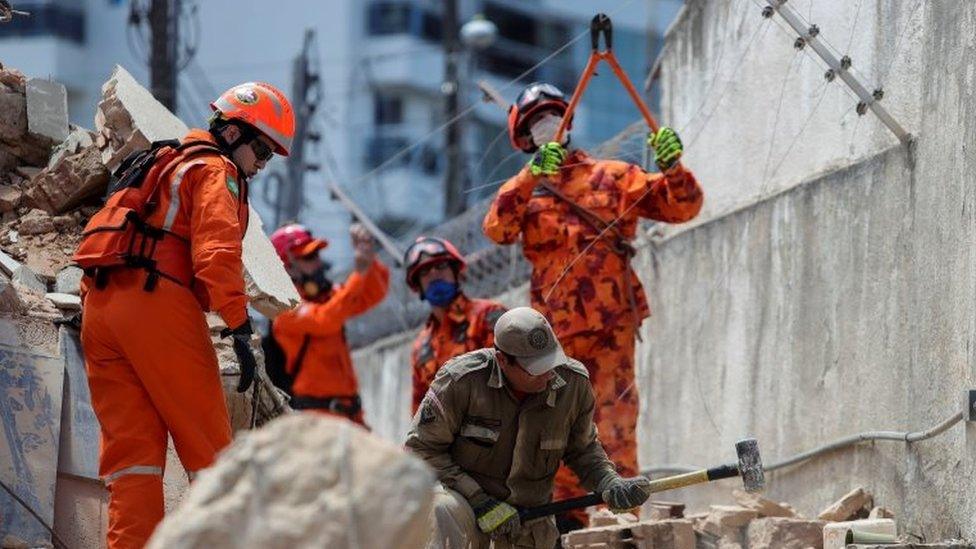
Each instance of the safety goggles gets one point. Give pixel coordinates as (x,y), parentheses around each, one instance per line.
(429,248)
(534,93)
(262,151)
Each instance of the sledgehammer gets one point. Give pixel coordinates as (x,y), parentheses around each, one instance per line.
(749,467)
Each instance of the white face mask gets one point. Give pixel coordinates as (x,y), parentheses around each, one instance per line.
(544,129)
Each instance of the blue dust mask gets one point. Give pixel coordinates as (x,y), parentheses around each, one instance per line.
(440,293)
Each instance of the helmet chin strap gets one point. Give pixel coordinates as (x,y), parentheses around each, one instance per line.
(229,148)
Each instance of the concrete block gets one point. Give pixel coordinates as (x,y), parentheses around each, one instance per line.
(13,112)
(78,139)
(606,517)
(7,263)
(362,492)
(727,520)
(268,286)
(881,512)
(785,533)
(762,506)
(47,109)
(835,533)
(848,506)
(10,198)
(65,302)
(35,222)
(671,534)
(26,277)
(66,183)
(68,280)
(611,535)
(9,300)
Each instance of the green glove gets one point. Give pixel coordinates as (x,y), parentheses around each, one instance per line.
(622,494)
(667,147)
(547,159)
(496,518)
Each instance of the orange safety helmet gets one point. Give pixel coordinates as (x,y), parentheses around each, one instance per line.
(263,107)
(294,240)
(534,99)
(427,250)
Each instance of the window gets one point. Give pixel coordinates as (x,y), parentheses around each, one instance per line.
(387,109)
(381,148)
(388,18)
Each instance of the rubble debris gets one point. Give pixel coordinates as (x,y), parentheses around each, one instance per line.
(18,147)
(764,507)
(10,198)
(66,302)
(9,299)
(785,533)
(881,512)
(661,510)
(605,517)
(129,119)
(835,533)
(951,544)
(330,489)
(726,520)
(68,182)
(855,504)
(35,222)
(267,284)
(672,533)
(68,280)
(27,278)
(47,109)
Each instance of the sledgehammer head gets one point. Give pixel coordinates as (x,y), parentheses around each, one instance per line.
(750,465)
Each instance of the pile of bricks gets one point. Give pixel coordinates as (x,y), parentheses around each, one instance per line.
(754,522)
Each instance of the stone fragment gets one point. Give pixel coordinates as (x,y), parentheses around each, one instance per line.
(68,280)
(335,485)
(881,512)
(9,299)
(66,302)
(785,533)
(13,112)
(605,517)
(727,520)
(35,222)
(10,198)
(672,533)
(666,509)
(267,284)
(78,139)
(764,507)
(8,264)
(950,544)
(68,182)
(26,277)
(47,109)
(612,536)
(835,533)
(848,506)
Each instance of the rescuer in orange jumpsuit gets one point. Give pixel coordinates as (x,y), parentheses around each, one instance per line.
(152,369)
(457,324)
(581,280)
(313,335)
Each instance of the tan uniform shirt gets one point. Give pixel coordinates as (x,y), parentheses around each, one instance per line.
(478,437)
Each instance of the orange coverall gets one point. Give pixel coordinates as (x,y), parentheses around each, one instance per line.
(469,325)
(589,308)
(151,365)
(326,369)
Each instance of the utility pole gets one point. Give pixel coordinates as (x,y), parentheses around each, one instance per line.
(305,98)
(164,40)
(454,178)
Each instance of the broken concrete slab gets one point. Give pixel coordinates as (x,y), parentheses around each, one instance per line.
(13,112)
(764,507)
(606,517)
(65,302)
(35,222)
(835,533)
(268,285)
(78,139)
(47,109)
(67,183)
(665,509)
(68,280)
(129,119)
(27,278)
(881,512)
(727,520)
(8,264)
(847,507)
(337,486)
(10,198)
(785,533)
(9,299)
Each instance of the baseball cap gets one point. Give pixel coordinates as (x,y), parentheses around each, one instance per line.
(525,334)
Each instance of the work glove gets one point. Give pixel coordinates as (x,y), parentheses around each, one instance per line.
(667,147)
(547,159)
(245,356)
(496,518)
(621,494)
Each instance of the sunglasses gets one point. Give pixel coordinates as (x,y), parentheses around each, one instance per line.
(261,150)
(429,248)
(539,91)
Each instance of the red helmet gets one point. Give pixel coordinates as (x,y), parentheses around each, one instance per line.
(295,240)
(427,250)
(262,106)
(534,99)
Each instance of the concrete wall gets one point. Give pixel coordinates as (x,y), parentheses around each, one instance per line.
(828,286)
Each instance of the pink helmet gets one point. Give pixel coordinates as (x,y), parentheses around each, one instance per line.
(294,240)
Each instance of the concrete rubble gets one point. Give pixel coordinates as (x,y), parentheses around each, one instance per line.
(855,504)
(330,488)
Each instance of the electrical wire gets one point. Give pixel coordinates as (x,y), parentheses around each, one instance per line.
(867,436)
(58,542)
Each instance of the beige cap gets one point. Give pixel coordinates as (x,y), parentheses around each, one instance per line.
(525,334)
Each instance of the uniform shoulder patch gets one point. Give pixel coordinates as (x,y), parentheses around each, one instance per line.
(463,365)
(576,366)
(233,187)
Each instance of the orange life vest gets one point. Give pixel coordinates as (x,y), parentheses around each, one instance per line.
(133,228)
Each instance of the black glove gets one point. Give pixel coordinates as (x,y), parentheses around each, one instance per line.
(245,356)
(626,493)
